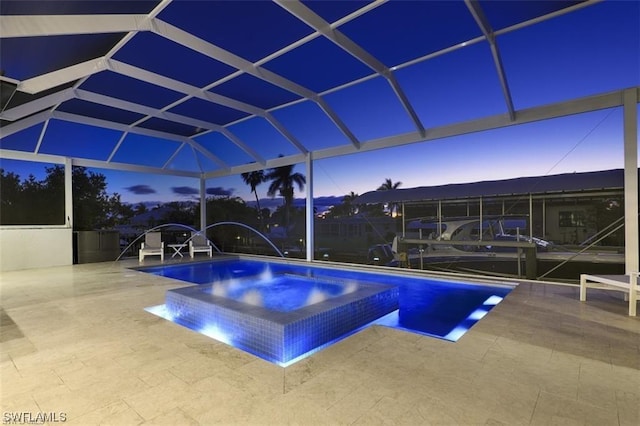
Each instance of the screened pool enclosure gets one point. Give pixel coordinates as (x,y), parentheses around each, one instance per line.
(209,89)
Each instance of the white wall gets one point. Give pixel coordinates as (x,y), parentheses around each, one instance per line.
(26,248)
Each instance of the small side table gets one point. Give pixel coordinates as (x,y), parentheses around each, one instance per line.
(177,248)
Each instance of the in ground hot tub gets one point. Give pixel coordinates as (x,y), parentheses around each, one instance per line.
(282,317)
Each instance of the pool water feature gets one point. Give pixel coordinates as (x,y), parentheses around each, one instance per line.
(283,311)
(282,293)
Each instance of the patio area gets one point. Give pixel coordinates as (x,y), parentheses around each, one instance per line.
(76,340)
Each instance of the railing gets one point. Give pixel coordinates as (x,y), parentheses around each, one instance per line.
(529,249)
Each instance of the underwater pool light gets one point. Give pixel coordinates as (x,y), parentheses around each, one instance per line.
(161,311)
(215,332)
(493,300)
(477,315)
(456,333)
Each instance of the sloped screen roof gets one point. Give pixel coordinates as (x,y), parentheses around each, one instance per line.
(207,88)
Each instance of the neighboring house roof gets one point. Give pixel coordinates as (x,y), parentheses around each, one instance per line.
(561,183)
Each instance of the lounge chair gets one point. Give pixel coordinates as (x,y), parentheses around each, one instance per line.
(152,246)
(625,283)
(198,243)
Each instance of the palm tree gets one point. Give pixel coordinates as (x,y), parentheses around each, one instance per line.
(348,202)
(387,185)
(282,181)
(253,179)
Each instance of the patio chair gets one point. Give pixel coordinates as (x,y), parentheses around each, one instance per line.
(626,283)
(199,244)
(152,246)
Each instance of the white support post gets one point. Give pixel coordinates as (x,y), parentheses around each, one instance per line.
(481,219)
(203,203)
(544,218)
(309,209)
(633,294)
(630,108)
(530,215)
(68,192)
(439,219)
(403,224)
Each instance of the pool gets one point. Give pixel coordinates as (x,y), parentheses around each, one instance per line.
(283,311)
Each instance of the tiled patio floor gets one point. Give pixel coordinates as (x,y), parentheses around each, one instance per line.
(77,340)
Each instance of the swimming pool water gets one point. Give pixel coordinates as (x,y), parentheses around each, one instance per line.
(282,293)
(437,308)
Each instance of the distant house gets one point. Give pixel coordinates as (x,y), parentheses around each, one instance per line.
(148,220)
(568,208)
(143,221)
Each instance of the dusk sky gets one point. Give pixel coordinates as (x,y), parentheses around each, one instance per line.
(586,142)
(596,57)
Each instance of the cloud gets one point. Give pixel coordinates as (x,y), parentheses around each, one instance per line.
(219,191)
(185,190)
(141,189)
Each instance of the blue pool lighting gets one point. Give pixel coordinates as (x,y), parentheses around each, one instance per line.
(493,300)
(275,330)
(283,312)
(456,333)
(279,293)
(478,314)
(215,332)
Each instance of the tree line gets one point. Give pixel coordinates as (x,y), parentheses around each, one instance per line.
(41,202)
(349,207)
